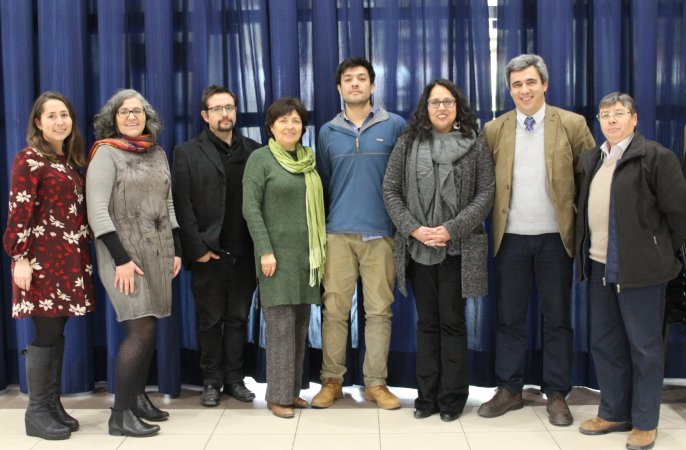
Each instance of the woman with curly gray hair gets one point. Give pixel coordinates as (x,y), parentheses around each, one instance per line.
(131,213)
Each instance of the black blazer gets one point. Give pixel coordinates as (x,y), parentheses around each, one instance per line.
(199,191)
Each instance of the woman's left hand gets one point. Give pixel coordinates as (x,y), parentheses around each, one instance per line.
(442,235)
(177,266)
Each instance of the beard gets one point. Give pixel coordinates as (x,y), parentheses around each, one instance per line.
(228,126)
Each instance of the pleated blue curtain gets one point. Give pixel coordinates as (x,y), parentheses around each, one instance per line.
(266,49)
(593,48)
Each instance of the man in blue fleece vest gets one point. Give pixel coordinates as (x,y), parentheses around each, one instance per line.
(352,153)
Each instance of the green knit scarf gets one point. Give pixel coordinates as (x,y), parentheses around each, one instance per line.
(314,202)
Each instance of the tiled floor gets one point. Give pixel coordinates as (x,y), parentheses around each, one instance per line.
(351,424)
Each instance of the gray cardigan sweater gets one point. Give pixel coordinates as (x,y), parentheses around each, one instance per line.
(475,184)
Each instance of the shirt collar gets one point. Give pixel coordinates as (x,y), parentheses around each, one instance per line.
(372,113)
(538,117)
(617,150)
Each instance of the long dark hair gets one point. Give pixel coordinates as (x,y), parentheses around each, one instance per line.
(420,124)
(73,144)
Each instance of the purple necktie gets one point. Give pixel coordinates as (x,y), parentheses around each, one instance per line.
(529,123)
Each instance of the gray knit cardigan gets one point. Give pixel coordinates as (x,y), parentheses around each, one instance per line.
(475,182)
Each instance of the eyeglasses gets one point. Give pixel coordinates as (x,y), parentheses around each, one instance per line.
(619,114)
(124,112)
(218,109)
(447,102)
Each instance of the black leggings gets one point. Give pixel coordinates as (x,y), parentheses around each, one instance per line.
(133,361)
(49,330)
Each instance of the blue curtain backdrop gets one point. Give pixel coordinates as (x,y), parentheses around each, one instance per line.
(264,49)
(592,48)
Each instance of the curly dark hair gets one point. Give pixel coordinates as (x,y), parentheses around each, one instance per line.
(73,144)
(420,124)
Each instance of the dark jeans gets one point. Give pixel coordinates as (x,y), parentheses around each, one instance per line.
(442,374)
(520,261)
(223,292)
(626,344)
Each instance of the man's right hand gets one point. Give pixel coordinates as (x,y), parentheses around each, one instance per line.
(207,256)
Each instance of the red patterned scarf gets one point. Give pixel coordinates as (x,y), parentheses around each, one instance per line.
(141,144)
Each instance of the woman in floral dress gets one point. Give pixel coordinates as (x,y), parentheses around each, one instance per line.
(47,237)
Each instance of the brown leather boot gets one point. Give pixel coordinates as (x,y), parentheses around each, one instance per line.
(299,402)
(331,390)
(382,396)
(502,402)
(641,439)
(283,411)
(598,425)
(558,411)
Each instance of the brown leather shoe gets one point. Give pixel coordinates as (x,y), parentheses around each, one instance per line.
(558,411)
(331,390)
(502,402)
(640,439)
(300,403)
(382,396)
(598,425)
(283,411)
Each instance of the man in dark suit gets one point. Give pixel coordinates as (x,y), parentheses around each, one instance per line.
(535,151)
(207,175)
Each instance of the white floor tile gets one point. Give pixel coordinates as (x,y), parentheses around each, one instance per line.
(250,442)
(339,421)
(573,440)
(670,439)
(258,421)
(192,421)
(79,441)
(452,441)
(11,421)
(92,421)
(403,421)
(514,440)
(166,442)
(524,419)
(337,442)
(18,441)
(673,416)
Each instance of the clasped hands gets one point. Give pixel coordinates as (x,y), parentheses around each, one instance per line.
(432,237)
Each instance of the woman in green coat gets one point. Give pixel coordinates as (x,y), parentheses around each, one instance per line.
(284,208)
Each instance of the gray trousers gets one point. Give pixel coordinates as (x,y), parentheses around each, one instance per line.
(286,336)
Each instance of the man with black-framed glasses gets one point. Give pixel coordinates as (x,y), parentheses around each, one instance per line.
(207,174)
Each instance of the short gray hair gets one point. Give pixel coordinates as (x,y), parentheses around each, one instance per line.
(105,123)
(618,97)
(521,62)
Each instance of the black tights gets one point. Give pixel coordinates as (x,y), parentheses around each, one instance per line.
(49,330)
(133,361)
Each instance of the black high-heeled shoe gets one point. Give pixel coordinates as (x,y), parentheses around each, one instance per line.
(145,409)
(126,423)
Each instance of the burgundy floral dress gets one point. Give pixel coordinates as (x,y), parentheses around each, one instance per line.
(47,224)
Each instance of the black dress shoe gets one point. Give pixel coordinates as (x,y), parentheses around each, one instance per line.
(423,413)
(239,392)
(126,423)
(144,409)
(449,416)
(210,395)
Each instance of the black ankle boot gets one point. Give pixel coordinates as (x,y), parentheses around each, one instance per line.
(55,388)
(126,423)
(38,419)
(145,409)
